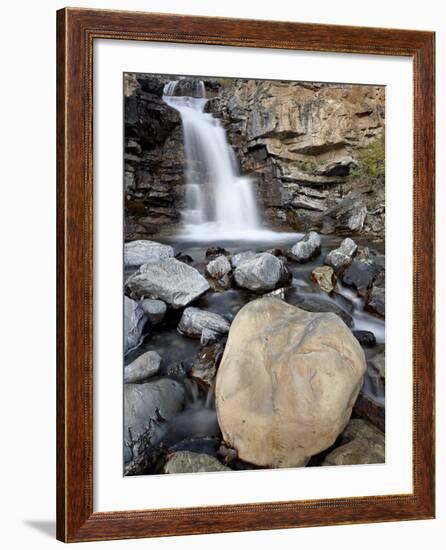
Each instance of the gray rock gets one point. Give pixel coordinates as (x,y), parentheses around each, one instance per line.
(140,252)
(205,365)
(365,337)
(134,322)
(208,336)
(338,167)
(187,462)
(172,281)
(195,320)
(376,367)
(306,249)
(361,274)
(241,257)
(155,310)
(317,304)
(341,258)
(261,272)
(143,367)
(143,406)
(376,301)
(218,268)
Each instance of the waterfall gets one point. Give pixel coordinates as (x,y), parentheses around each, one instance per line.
(219,201)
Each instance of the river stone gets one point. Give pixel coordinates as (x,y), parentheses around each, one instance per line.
(325,278)
(361,274)
(259,273)
(134,322)
(306,249)
(174,282)
(376,301)
(218,268)
(194,321)
(320,304)
(140,252)
(142,368)
(365,337)
(155,310)
(287,383)
(205,365)
(144,403)
(341,258)
(187,462)
(241,257)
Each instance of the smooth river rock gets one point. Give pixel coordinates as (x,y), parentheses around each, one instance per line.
(324,277)
(174,282)
(143,367)
(140,252)
(341,258)
(194,321)
(308,248)
(219,267)
(155,310)
(287,383)
(260,273)
(134,322)
(187,462)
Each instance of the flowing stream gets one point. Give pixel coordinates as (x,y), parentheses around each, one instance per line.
(219,201)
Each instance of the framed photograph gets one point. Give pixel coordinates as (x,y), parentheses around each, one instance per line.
(245,275)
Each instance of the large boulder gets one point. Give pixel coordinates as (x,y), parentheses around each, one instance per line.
(169,280)
(134,322)
(287,383)
(140,252)
(143,367)
(241,257)
(341,258)
(187,462)
(260,273)
(306,249)
(194,321)
(145,405)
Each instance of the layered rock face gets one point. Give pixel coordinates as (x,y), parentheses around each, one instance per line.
(300,143)
(287,383)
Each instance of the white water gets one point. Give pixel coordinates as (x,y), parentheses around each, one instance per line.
(220,203)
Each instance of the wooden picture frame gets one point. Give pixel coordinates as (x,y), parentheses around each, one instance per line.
(76,31)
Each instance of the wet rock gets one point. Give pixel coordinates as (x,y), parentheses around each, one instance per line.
(206,364)
(363,443)
(376,367)
(172,281)
(185,258)
(361,274)
(370,409)
(216,251)
(303,371)
(241,257)
(325,278)
(218,268)
(308,248)
(176,371)
(134,322)
(227,453)
(341,258)
(145,407)
(195,320)
(187,462)
(260,273)
(278,293)
(318,304)
(143,367)
(140,252)
(209,336)
(155,310)
(376,301)
(365,337)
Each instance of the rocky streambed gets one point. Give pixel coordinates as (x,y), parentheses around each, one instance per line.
(299,382)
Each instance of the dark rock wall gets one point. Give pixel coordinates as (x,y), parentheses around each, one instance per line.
(299,143)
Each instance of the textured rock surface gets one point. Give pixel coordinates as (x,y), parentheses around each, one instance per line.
(134,323)
(195,320)
(205,365)
(155,310)
(143,403)
(361,274)
(341,258)
(306,249)
(288,378)
(187,462)
(140,252)
(219,267)
(172,281)
(325,278)
(241,257)
(319,304)
(259,273)
(142,368)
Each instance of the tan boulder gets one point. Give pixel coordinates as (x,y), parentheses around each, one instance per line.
(287,382)
(324,277)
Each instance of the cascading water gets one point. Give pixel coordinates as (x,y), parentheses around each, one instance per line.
(219,202)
